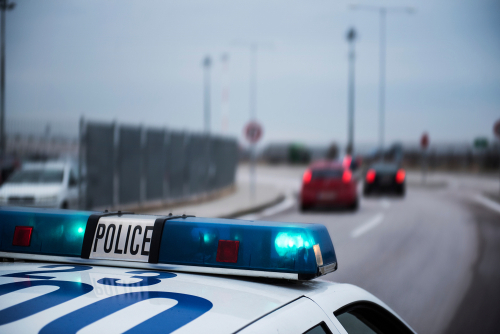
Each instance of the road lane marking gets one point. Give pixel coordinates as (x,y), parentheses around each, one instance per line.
(365,227)
(485,201)
(282,206)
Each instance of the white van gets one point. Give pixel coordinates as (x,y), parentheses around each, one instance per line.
(51,184)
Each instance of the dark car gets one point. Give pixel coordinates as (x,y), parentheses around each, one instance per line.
(384,178)
(327,183)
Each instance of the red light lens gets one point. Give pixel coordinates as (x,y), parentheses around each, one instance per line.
(370,176)
(22,236)
(227,251)
(347,176)
(307,176)
(400,176)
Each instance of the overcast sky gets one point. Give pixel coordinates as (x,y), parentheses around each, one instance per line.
(140,62)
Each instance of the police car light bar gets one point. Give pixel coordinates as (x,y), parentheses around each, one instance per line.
(175,243)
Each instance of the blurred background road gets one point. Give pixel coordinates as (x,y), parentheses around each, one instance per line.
(433,255)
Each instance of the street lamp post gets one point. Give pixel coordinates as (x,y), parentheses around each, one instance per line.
(207,62)
(382,10)
(5,5)
(351,37)
(254,48)
(381,88)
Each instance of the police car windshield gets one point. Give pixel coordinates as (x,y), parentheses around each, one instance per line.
(37,176)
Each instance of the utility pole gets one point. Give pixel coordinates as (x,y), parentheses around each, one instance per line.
(253,110)
(351,37)
(253,81)
(5,5)
(381,86)
(382,10)
(254,47)
(207,62)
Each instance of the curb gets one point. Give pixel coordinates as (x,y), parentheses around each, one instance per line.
(280,198)
(172,204)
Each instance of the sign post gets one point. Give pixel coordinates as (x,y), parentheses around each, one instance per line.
(496,131)
(424,143)
(253,133)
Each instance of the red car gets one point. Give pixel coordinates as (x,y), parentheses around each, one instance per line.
(328,183)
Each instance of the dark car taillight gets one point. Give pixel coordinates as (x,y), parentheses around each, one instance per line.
(400,176)
(370,176)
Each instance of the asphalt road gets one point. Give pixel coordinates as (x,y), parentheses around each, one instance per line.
(432,256)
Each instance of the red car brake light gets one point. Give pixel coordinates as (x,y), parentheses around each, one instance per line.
(347,176)
(370,176)
(400,176)
(346,163)
(307,176)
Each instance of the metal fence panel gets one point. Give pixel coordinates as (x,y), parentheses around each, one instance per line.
(177,175)
(227,158)
(218,168)
(231,156)
(198,163)
(154,164)
(129,165)
(213,167)
(98,140)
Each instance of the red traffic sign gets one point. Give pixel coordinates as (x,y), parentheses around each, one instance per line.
(253,132)
(496,129)
(424,141)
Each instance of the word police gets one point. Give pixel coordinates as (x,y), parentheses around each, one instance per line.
(122,240)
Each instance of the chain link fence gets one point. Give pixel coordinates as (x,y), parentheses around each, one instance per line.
(130,166)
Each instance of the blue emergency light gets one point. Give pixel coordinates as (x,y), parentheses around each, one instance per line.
(177,243)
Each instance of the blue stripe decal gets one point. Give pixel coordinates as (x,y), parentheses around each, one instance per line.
(33,274)
(186,310)
(66,291)
(148,280)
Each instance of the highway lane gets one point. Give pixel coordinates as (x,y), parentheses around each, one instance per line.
(480,308)
(417,254)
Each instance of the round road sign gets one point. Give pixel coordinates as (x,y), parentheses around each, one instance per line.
(253,132)
(424,141)
(496,129)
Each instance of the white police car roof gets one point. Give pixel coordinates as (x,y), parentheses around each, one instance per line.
(115,272)
(217,304)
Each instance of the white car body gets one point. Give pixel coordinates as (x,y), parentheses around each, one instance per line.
(220,304)
(63,194)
